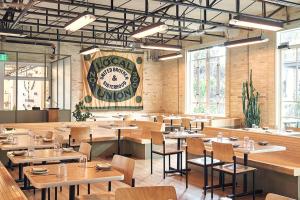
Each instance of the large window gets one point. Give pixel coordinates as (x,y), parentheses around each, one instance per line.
(289,76)
(205,86)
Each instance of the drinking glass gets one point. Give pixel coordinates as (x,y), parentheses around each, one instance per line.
(251,145)
(83,161)
(62,170)
(182,129)
(253,125)
(246,142)
(15,140)
(220,137)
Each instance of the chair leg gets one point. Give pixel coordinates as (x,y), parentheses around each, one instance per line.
(212,181)
(49,193)
(186,174)
(60,189)
(151,157)
(233,185)
(253,185)
(223,181)
(109,186)
(89,188)
(78,190)
(169,161)
(55,194)
(164,166)
(181,158)
(205,179)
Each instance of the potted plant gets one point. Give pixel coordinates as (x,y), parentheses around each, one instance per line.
(251,108)
(79,113)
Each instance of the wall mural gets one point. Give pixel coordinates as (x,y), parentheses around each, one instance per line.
(113,81)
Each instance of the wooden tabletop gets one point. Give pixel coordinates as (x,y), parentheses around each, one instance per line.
(9,189)
(172,117)
(257,148)
(199,120)
(119,127)
(18,131)
(76,174)
(23,143)
(183,135)
(44,155)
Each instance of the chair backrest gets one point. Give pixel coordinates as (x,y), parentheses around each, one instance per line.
(160,119)
(186,123)
(85,149)
(59,138)
(177,122)
(223,151)
(147,193)
(79,134)
(157,137)
(195,146)
(126,166)
(272,196)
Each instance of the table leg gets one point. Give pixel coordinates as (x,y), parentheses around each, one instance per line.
(72,192)
(245,179)
(172,129)
(43,197)
(20,173)
(202,126)
(119,141)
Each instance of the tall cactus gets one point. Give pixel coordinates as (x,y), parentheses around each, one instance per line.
(251,107)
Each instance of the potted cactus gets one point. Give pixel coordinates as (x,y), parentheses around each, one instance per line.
(251,107)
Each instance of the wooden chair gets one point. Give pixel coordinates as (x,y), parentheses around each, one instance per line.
(124,165)
(158,139)
(186,123)
(224,152)
(78,135)
(147,193)
(271,196)
(196,147)
(85,149)
(160,119)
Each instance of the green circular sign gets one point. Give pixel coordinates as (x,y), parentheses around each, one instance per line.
(88,99)
(138,99)
(113,78)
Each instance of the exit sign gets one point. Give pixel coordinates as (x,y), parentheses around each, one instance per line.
(3,57)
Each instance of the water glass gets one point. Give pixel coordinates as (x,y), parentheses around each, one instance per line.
(62,170)
(251,145)
(220,137)
(253,125)
(15,140)
(246,142)
(182,129)
(83,161)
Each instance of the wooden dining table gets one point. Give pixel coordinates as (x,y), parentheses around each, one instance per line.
(239,147)
(76,175)
(23,143)
(179,136)
(171,118)
(41,155)
(119,128)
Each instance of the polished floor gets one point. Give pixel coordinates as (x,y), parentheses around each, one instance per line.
(144,178)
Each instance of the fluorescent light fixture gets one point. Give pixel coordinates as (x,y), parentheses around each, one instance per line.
(283,3)
(150,30)
(252,22)
(166,47)
(12,33)
(80,21)
(170,56)
(248,41)
(89,50)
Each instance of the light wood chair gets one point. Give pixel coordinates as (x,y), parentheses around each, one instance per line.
(78,135)
(85,149)
(225,153)
(158,139)
(186,123)
(160,119)
(124,165)
(272,196)
(147,193)
(195,146)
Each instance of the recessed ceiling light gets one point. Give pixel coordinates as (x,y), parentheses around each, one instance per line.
(89,50)
(12,33)
(170,56)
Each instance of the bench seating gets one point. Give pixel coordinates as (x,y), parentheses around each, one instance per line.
(9,190)
(286,162)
